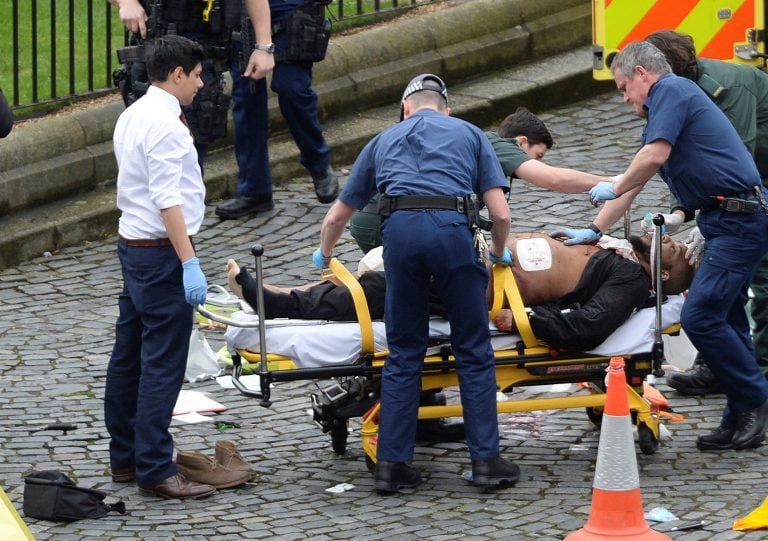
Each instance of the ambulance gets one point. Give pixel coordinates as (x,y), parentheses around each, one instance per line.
(731,30)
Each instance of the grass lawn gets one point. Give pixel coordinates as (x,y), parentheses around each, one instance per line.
(51,70)
(40,56)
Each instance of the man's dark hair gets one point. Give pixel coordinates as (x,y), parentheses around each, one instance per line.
(679,50)
(165,54)
(524,122)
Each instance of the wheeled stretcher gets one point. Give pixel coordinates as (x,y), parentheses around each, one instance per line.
(350,356)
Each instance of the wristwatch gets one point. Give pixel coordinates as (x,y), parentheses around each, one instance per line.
(268,48)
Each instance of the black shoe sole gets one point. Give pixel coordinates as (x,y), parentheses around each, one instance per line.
(490,482)
(752,443)
(327,198)
(224,215)
(703,391)
(714,446)
(385,488)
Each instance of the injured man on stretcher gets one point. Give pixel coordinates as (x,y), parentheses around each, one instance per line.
(578,295)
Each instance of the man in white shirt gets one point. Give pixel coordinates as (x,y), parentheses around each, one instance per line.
(160,194)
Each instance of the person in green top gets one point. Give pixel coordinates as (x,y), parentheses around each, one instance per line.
(741,92)
(520,143)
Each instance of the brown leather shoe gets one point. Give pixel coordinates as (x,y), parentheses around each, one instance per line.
(123,475)
(202,469)
(228,456)
(178,487)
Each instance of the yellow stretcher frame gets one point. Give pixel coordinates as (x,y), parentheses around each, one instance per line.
(530,363)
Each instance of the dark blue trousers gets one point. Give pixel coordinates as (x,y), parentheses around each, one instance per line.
(714,315)
(146,369)
(419,246)
(292,82)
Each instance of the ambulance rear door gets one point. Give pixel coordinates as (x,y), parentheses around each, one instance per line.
(731,30)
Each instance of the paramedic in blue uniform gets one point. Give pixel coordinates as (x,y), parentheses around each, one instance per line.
(697,152)
(160,194)
(425,167)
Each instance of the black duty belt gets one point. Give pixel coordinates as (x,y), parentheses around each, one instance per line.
(748,202)
(388,205)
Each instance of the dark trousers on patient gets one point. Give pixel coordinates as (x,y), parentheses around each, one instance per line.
(146,369)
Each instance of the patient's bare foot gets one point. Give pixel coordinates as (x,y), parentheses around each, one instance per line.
(233,269)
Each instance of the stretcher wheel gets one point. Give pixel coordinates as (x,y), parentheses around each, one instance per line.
(339,434)
(595,415)
(646,440)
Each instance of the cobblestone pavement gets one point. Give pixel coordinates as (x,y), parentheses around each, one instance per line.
(56,331)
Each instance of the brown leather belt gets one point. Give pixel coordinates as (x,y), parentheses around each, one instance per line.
(145,243)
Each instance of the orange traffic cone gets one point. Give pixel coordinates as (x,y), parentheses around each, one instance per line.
(617,507)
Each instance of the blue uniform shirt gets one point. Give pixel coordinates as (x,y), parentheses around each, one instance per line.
(428,153)
(708,158)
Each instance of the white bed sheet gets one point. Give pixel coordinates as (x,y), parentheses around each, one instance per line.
(313,343)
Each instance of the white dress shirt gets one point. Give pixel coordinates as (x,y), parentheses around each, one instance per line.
(157,167)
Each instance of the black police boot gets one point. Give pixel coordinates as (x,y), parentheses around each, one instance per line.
(495,472)
(717,440)
(750,428)
(697,380)
(326,185)
(389,477)
(238,207)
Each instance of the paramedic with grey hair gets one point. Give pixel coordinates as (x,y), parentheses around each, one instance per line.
(426,167)
(697,152)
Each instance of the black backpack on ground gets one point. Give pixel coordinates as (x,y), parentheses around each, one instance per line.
(51,495)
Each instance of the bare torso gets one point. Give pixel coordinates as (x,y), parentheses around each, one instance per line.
(540,279)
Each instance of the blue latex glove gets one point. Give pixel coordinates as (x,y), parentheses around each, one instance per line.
(505,259)
(320,261)
(576,236)
(195,284)
(602,191)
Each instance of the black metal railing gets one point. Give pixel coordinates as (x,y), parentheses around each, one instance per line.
(56,51)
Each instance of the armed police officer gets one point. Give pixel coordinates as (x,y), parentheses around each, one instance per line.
(300,32)
(428,168)
(211,24)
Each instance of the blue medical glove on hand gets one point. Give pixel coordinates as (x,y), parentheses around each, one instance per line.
(589,235)
(320,261)
(505,259)
(602,191)
(195,284)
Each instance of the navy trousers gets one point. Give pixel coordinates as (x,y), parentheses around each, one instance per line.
(292,82)
(714,315)
(419,245)
(146,369)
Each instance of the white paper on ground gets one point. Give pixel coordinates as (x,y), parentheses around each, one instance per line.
(193,417)
(190,401)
